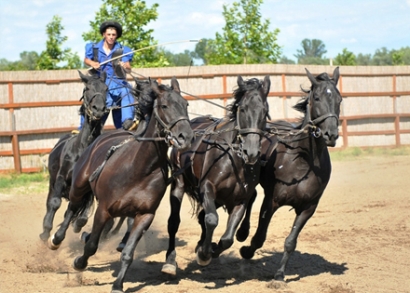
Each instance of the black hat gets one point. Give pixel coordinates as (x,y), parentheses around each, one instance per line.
(112,23)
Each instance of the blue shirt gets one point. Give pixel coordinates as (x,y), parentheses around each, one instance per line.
(102,56)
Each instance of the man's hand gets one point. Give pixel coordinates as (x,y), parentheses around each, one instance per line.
(95,65)
(126,66)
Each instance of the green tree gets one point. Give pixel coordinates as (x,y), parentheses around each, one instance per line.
(133,15)
(55,57)
(200,50)
(28,61)
(246,39)
(345,58)
(382,56)
(312,52)
(179,59)
(363,59)
(285,60)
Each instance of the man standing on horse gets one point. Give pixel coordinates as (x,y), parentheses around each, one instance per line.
(119,90)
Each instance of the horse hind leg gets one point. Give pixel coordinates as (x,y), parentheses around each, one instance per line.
(226,240)
(265,215)
(243,231)
(53,204)
(204,252)
(130,223)
(82,219)
(141,224)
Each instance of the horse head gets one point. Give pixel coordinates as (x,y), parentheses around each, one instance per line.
(94,96)
(250,110)
(171,112)
(322,106)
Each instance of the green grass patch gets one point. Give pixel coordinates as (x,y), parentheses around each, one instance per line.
(13,180)
(355,152)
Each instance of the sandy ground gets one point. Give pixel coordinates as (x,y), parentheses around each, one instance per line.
(358,241)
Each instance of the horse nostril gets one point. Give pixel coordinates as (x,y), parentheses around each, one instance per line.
(181,137)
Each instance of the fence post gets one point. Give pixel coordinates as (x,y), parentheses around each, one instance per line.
(344,122)
(14,138)
(224,89)
(284,98)
(397,117)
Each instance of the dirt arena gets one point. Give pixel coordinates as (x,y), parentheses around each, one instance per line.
(357,241)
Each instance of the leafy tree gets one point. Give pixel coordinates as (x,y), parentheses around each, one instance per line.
(179,59)
(345,58)
(133,15)
(28,61)
(54,57)
(382,57)
(200,50)
(245,38)
(312,52)
(363,59)
(404,55)
(286,60)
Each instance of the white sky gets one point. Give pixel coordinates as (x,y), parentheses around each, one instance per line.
(361,26)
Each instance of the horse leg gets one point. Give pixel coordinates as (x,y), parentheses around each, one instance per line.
(226,240)
(141,224)
(176,196)
(101,217)
(58,237)
(82,219)
(130,223)
(291,240)
(118,226)
(53,204)
(243,231)
(265,215)
(204,252)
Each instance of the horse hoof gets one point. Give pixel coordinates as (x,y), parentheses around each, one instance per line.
(117,291)
(241,235)
(120,247)
(83,237)
(51,245)
(78,268)
(44,236)
(279,276)
(169,269)
(201,262)
(246,252)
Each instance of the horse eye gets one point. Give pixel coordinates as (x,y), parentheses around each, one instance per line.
(164,106)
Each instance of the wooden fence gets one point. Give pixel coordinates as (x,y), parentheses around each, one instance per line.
(38,107)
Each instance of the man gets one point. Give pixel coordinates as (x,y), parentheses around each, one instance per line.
(118,88)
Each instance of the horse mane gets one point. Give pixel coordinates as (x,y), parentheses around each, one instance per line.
(250,84)
(145,97)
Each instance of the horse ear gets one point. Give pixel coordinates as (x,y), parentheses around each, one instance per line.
(240,81)
(83,77)
(175,85)
(154,86)
(266,86)
(103,76)
(336,75)
(312,78)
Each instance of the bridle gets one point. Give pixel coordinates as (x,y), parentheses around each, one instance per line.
(312,124)
(87,106)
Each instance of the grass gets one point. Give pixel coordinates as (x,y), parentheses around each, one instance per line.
(355,152)
(13,180)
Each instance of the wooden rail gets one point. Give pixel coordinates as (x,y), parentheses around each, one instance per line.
(14,134)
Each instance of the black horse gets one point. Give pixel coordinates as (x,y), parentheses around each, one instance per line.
(128,174)
(69,148)
(220,169)
(298,169)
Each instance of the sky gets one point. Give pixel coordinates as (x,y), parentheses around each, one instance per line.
(360,26)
